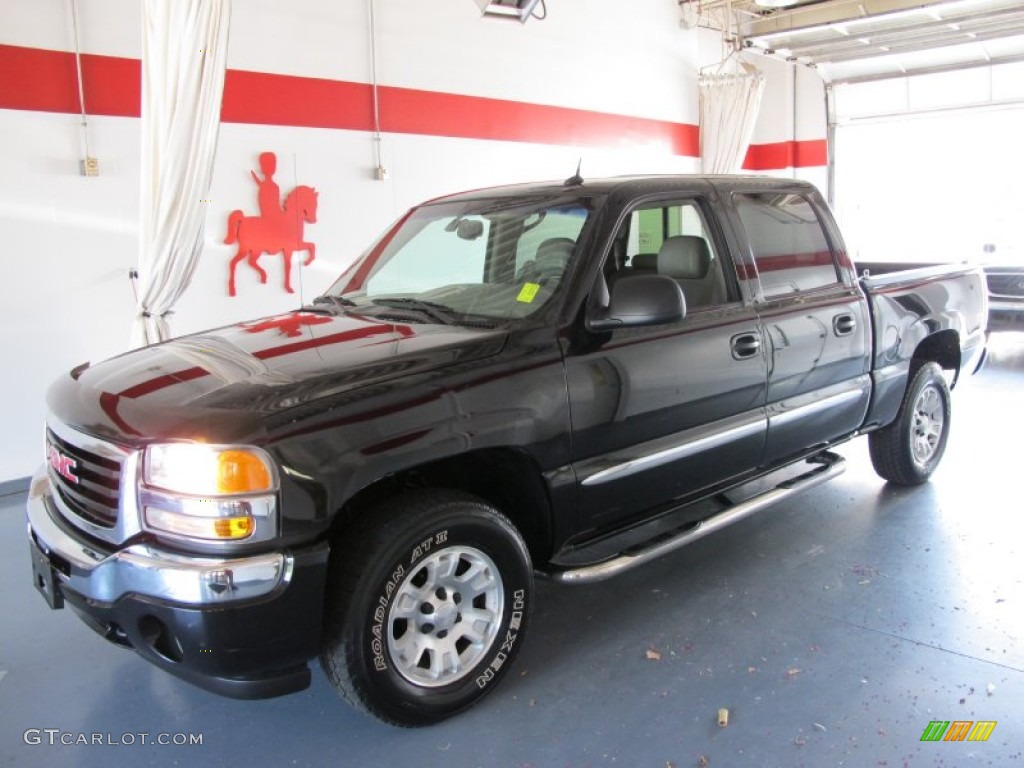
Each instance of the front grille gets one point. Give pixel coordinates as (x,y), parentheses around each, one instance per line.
(1008,284)
(85,482)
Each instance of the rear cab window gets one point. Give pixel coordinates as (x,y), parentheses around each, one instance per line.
(787,242)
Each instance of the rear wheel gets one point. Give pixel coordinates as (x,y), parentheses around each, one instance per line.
(908,450)
(428,601)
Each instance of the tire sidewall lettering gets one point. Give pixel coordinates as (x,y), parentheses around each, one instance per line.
(378,626)
(379,619)
(511,634)
(438,539)
(512,623)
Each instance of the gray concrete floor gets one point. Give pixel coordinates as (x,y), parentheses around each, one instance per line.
(833,628)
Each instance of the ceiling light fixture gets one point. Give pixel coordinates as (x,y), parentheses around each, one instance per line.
(514,10)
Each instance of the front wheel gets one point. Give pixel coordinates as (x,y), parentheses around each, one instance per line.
(427,604)
(907,451)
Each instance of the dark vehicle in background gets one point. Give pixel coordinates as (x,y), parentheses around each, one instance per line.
(564,379)
(1005,292)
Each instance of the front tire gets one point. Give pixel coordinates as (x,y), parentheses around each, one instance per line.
(428,601)
(907,451)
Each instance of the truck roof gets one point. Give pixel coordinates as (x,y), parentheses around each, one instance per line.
(635,185)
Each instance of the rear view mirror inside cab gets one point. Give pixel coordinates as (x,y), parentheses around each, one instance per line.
(469,229)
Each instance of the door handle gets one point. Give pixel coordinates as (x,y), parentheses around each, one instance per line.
(844,325)
(745,345)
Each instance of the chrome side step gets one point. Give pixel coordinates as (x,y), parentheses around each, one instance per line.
(830,465)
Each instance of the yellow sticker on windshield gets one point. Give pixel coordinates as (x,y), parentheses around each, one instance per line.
(529,293)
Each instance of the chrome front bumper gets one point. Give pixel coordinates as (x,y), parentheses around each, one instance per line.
(144,570)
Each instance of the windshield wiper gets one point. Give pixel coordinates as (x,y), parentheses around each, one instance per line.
(432,309)
(332,299)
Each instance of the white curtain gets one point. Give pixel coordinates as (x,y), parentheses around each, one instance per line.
(184,52)
(729,104)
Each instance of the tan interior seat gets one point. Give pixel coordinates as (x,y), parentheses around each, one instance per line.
(687,259)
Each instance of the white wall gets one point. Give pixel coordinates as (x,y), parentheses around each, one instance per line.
(794,103)
(793,110)
(69,241)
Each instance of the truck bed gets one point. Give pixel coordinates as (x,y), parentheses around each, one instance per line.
(945,304)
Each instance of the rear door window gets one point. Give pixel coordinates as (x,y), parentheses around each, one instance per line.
(787,242)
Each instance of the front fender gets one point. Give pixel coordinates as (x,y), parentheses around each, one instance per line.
(516,400)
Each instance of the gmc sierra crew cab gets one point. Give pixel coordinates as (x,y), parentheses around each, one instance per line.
(560,379)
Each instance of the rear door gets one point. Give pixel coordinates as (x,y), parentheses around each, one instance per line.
(814,315)
(661,412)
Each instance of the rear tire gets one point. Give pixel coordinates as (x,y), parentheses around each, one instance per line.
(428,601)
(907,451)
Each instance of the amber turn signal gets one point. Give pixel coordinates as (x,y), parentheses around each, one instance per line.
(241,472)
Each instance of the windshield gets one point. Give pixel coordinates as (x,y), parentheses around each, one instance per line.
(482,261)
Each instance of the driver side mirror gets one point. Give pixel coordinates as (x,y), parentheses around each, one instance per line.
(638,300)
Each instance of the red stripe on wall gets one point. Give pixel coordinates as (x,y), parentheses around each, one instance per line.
(310,102)
(44,80)
(267,99)
(786,154)
(403,110)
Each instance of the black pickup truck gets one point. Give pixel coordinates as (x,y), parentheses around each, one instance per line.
(563,379)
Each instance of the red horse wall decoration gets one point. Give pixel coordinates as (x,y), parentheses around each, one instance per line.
(276,229)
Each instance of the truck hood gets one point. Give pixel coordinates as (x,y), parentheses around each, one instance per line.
(223,385)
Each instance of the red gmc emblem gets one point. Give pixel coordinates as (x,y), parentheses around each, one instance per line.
(64,465)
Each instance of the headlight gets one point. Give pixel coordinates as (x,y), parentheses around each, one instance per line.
(209,493)
(208,470)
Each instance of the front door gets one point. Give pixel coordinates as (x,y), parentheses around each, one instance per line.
(660,413)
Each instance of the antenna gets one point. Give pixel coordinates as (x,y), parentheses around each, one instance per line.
(575,180)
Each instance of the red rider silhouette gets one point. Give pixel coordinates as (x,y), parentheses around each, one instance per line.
(278,229)
(270,193)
